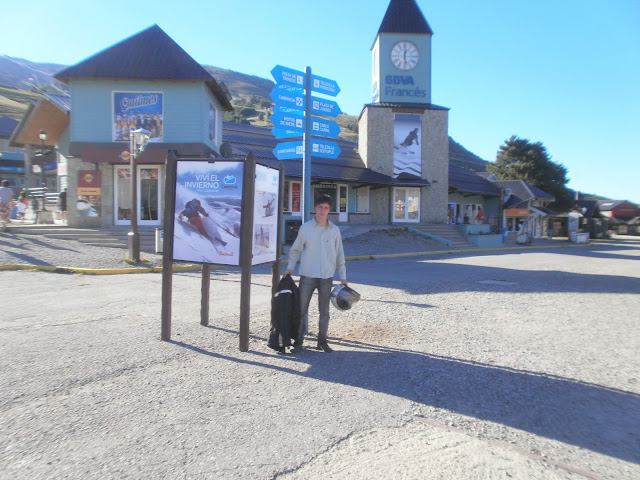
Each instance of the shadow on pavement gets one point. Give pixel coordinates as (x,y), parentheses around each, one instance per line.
(590,416)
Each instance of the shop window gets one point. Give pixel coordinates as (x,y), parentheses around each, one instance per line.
(362,200)
(329,189)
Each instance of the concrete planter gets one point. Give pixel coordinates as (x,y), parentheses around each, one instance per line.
(486,241)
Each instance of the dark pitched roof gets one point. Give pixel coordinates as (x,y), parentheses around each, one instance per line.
(607,205)
(523,191)
(348,167)
(418,106)
(148,55)
(7,126)
(404,16)
(62,101)
(545,210)
(467,181)
(461,157)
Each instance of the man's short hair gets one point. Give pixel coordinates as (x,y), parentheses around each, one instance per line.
(322,199)
(5,183)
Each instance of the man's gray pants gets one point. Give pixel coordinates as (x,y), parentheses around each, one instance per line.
(306,287)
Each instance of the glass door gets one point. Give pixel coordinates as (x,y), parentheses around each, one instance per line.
(343,215)
(149,195)
(122,196)
(406,205)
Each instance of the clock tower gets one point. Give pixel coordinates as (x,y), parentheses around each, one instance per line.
(401,133)
(401,56)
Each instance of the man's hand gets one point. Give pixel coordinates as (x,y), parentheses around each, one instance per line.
(344,282)
(287,272)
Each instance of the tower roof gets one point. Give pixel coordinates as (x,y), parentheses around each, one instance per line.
(148,55)
(404,16)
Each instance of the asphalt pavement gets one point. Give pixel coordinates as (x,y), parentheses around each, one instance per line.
(518,363)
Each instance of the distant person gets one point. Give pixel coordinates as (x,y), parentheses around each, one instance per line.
(35,206)
(21,208)
(62,200)
(6,203)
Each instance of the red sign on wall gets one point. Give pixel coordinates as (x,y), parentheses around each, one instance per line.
(295,197)
(89,182)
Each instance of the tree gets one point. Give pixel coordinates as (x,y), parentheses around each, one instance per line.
(520,159)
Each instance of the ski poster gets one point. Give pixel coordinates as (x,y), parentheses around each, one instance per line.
(407,139)
(265,215)
(208,211)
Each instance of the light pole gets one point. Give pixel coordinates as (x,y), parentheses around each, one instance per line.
(138,140)
(43,137)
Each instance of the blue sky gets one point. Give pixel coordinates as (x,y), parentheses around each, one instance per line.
(562,72)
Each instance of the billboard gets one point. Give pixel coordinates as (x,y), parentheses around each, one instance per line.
(135,110)
(89,193)
(407,136)
(208,201)
(265,215)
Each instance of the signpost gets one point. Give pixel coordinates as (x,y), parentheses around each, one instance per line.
(295,123)
(319,148)
(293,99)
(292,117)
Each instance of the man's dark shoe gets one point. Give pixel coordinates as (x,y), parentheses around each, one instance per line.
(297,347)
(324,346)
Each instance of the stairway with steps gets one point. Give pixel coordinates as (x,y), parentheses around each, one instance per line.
(116,237)
(448,232)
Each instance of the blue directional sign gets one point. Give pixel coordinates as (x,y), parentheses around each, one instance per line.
(288,150)
(324,85)
(284,133)
(288,76)
(294,122)
(288,121)
(328,108)
(325,148)
(288,98)
(326,128)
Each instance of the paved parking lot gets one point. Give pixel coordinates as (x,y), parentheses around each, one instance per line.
(514,363)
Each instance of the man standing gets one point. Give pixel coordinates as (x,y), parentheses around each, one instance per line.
(319,248)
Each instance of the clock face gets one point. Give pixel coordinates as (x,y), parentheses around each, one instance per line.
(405,55)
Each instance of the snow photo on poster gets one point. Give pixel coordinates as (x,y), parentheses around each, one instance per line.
(208,211)
(265,215)
(407,153)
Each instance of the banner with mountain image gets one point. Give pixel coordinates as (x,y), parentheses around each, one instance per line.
(407,151)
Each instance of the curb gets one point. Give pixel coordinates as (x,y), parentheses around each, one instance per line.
(99,271)
(189,268)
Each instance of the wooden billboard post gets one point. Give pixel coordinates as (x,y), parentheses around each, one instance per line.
(167,245)
(246,256)
(246,247)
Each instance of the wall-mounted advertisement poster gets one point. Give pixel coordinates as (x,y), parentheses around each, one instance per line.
(407,136)
(265,215)
(89,193)
(134,110)
(208,211)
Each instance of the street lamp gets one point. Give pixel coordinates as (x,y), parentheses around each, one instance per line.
(43,137)
(138,140)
